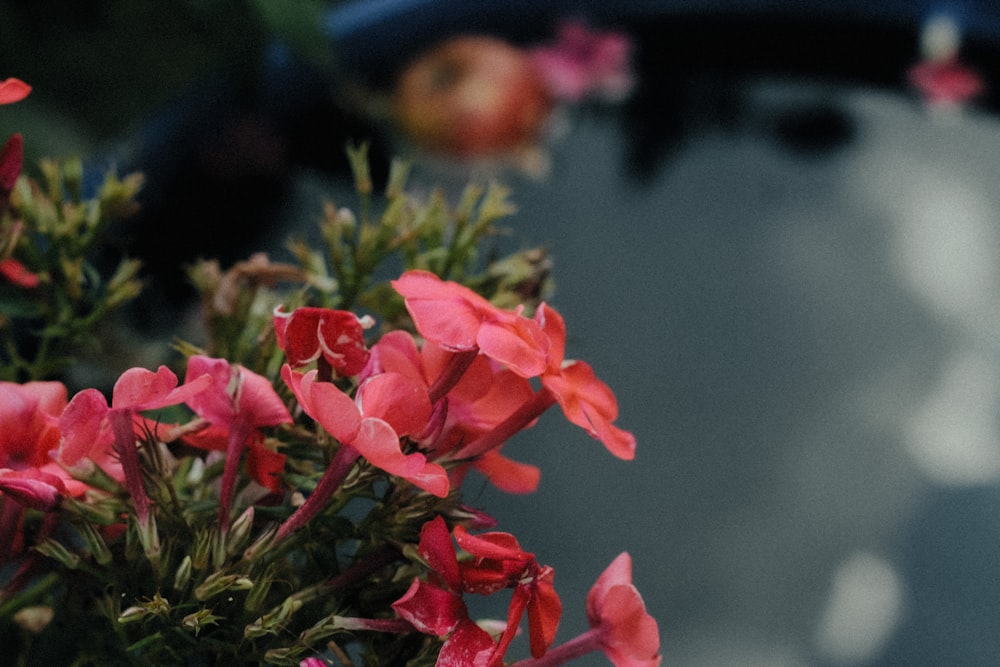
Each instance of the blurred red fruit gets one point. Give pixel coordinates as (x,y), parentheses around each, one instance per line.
(472,97)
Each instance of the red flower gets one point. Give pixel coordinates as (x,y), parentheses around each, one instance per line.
(460,320)
(336,336)
(13,90)
(499,562)
(238,402)
(627,634)
(435,607)
(585,400)
(388,406)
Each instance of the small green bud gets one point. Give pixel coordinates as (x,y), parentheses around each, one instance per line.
(183,575)
(199,620)
(274,620)
(202,549)
(96,545)
(399,172)
(358,157)
(262,586)
(59,552)
(158,605)
(239,533)
(219,583)
(133,614)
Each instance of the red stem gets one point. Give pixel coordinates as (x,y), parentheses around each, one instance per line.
(121,425)
(328,484)
(238,434)
(528,412)
(580,645)
(458,363)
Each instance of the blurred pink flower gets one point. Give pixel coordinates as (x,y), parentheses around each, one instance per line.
(585,63)
(945,83)
(93,429)
(13,90)
(17,273)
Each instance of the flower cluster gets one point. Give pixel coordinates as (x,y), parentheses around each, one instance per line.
(296,498)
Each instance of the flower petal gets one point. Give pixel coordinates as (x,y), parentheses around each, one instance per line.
(431,610)
(13,90)
(398,400)
(468,646)
(437,551)
(11,161)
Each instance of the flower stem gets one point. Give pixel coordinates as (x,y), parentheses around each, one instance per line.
(238,434)
(10,526)
(328,484)
(458,363)
(121,425)
(528,412)
(580,645)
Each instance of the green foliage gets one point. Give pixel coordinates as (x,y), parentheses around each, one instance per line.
(387,235)
(58,235)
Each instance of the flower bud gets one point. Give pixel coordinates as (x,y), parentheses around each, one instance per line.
(239,533)
(199,620)
(274,620)
(133,614)
(258,594)
(219,583)
(59,552)
(183,575)
(96,545)
(34,619)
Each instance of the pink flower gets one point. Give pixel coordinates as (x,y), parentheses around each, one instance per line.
(482,398)
(626,633)
(90,426)
(29,430)
(945,83)
(13,90)
(335,336)
(583,63)
(460,320)
(620,627)
(388,406)
(240,402)
(584,399)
